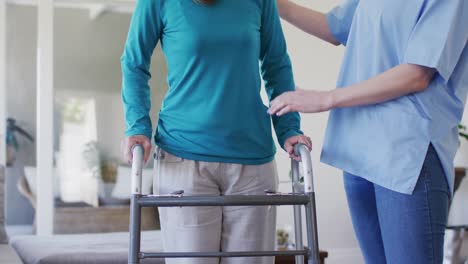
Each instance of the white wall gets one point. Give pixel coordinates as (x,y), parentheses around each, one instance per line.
(21,73)
(459,211)
(316,66)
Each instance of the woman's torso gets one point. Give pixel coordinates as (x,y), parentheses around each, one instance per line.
(213,110)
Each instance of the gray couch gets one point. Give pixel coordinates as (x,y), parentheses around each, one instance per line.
(109,248)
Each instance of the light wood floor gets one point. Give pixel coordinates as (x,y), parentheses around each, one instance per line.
(8,256)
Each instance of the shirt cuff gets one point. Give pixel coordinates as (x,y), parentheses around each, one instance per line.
(137,132)
(335,27)
(427,61)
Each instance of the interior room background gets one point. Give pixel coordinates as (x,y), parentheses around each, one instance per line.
(87,65)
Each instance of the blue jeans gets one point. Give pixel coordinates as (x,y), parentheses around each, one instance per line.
(397,228)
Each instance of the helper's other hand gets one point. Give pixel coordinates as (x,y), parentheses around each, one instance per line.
(294,140)
(129,142)
(301,101)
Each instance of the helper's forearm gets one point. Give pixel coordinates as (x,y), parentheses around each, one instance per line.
(396,82)
(308,20)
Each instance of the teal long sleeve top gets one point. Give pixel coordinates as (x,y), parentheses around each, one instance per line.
(216,57)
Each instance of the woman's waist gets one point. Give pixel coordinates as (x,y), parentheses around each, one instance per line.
(206,126)
(216,115)
(219,145)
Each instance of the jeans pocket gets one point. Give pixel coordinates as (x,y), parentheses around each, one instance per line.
(161,155)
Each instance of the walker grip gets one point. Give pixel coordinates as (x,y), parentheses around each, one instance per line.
(137,168)
(307,168)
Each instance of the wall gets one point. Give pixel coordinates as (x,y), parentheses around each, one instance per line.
(459,212)
(21,72)
(87,64)
(3,237)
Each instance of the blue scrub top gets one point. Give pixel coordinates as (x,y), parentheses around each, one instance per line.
(387,143)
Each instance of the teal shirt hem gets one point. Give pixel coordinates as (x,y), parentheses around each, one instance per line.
(197,157)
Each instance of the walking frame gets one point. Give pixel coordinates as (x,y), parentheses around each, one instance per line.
(303,195)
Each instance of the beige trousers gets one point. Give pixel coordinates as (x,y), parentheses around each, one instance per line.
(202,229)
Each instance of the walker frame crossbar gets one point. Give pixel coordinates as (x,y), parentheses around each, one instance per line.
(298,198)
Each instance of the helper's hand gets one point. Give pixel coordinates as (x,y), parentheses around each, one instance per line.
(301,101)
(129,142)
(292,141)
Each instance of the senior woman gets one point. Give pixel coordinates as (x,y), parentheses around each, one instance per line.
(393,124)
(214,133)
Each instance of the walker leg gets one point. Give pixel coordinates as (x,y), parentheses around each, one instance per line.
(312,236)
(297,212)
(135,231)
(298,232)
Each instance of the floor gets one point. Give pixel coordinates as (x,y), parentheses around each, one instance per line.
(8,256)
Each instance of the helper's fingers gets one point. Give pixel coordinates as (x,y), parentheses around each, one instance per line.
(279,102)
(275,107)
(286,109)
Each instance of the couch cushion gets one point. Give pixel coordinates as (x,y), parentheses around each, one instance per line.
(123,185)
(83,249)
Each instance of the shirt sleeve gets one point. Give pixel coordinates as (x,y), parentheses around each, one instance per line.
(143,36)
(277,70)
(340,20)
(439,37)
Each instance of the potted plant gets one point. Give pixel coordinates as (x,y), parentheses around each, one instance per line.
(11,139)
(109,176)
(282,240)
(462,131)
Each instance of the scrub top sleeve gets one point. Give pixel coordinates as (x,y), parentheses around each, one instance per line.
(439,37)
(276,69)
(143,36)
(340,20)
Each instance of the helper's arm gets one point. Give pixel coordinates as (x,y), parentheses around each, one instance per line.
(394,83)
(308,20)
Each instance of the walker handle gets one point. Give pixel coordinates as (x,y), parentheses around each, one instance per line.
(307,168)
(137,168)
